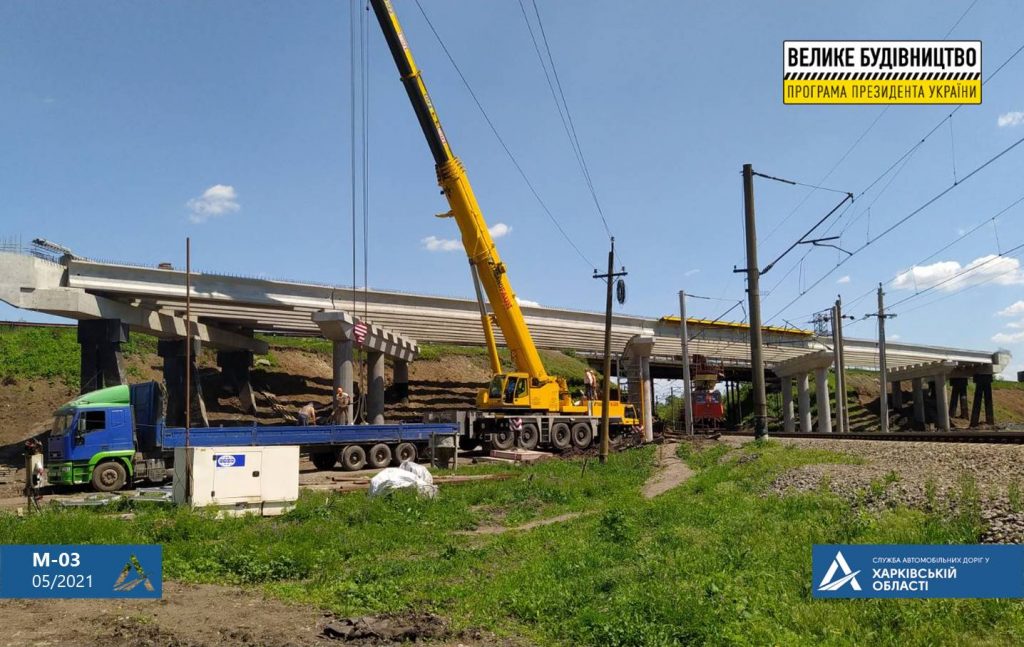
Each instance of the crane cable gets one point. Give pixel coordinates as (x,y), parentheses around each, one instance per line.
(501,141)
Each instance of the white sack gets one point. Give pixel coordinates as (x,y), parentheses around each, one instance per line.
(421,472)
(394,478)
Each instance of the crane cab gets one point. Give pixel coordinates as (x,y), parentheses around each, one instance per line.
(518,391)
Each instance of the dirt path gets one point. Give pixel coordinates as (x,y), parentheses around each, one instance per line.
(187,615)
(497,530)
(672,471)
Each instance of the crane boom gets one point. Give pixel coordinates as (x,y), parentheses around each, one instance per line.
(451,176)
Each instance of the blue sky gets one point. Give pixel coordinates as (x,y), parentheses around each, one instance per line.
(128,126)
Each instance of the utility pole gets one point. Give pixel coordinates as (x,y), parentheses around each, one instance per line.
(606,392)
(188,365)
(883,373)
(684,338)
(837,360)
(754,302)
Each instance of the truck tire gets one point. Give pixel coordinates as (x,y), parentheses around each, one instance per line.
(109,476)
(561,435)
(582,435)
(529,436)
(379,456)
(404,452)
(324,460)
(503,439)
(353,458)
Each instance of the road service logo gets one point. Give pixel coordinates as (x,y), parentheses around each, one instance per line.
(830,583)
(881,71)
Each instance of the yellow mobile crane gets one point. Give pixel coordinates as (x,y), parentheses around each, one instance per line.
(526,406)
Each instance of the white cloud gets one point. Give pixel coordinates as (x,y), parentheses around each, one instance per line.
(1011,119)
(1015,325)
(527,303)
(1008,338)
(844,279)
(435,244)
(1012,310)
(894,337)
(218,200)
(1000,270)
(691,272)
(499,229)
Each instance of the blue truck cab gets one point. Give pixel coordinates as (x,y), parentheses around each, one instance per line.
(94,430)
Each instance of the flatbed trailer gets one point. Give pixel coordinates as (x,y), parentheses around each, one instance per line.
(117,436)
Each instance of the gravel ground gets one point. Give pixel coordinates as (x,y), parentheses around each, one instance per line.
(943,477)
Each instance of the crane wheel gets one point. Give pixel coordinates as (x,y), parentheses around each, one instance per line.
(503,439)
(529,436)
(353,458)
(561,435)
(404,452)
(378,456)
(109,476)
(323,460)
(582,435)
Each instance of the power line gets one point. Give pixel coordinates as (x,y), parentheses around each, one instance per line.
(501,141)
(571,130)
(900,222)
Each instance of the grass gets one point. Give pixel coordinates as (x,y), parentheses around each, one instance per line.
(715,561)
(52,353)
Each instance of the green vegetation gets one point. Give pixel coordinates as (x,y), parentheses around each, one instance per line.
(715,561)
(51,353)
(563,364)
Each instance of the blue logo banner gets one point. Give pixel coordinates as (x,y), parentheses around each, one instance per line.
(87,571)
(229,460)
(917,571)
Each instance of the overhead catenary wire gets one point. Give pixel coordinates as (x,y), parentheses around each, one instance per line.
(501,141)
(902,221)
(567,121)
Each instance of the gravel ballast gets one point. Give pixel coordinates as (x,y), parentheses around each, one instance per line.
(941,477)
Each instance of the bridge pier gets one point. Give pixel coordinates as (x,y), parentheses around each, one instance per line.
(375,388)
(803,394)
(919,418)
(235,367)
(897,396)
(173,353)
(400,372)
(637,358)
(102,364)
(983,394)
(787,405)
(958,398)
(941,403)
(822,397)
(341,362)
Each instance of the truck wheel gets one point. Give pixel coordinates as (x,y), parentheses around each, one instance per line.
(529,436)
(323,460)
(405,452)
(109,476)
(582,435)
(503,439)
(378,456)
(353,458)
(561,435)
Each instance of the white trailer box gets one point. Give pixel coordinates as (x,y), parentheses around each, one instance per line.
(238,480)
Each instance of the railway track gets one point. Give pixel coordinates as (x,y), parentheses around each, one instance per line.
(992,437)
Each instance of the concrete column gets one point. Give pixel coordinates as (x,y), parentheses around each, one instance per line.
(983,395)
(787,405)
(941,403)
(375,388)
(342,368)
(958,397)
(400,369)
(821,395)
(803,394)
(919,402)
(234,367)
(645,379)
(101,362)
(173,353)
(897,396)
